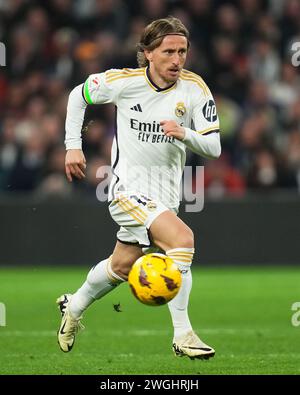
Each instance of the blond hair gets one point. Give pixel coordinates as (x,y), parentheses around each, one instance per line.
(154,34)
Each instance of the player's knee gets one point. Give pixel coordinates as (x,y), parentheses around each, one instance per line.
(185,240)
(121,269)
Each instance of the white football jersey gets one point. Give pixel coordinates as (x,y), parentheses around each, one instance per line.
(143,159)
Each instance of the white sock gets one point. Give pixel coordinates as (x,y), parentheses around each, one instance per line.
(179,305)
(100,281)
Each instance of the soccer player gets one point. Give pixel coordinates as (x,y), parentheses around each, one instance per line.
(162,109)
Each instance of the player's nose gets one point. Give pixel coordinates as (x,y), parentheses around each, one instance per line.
(176,61)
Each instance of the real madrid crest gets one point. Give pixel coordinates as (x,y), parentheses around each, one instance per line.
(151,206)
(180,109)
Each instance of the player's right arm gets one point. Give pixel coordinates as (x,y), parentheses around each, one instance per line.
(75,161)
(95,90)
(75,164)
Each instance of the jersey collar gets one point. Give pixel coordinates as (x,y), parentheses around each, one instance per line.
(156,87)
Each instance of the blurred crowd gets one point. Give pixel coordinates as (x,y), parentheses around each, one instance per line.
(242,49)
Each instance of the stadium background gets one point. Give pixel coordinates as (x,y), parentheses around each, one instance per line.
(242,49)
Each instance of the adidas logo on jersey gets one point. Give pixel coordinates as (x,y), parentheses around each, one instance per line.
(136,108)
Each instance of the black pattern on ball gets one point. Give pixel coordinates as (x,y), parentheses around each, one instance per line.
(143,278)
(159,300)
(171,285)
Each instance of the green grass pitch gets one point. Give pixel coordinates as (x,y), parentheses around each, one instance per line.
(244,313)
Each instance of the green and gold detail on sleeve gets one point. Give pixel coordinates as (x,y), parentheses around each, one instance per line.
(87,93)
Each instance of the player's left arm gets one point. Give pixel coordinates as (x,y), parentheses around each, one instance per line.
(205,139)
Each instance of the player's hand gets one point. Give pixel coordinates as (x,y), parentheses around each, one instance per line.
(75,164)
(171,128)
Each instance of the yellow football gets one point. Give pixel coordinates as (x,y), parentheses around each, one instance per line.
(154,279)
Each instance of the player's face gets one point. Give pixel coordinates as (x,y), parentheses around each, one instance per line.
(167,60)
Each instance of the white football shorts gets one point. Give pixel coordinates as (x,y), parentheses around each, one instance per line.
(135,213)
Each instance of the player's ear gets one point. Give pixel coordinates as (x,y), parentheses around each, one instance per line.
(148,55)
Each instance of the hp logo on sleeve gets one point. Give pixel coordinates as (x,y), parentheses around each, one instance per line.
(210,111)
